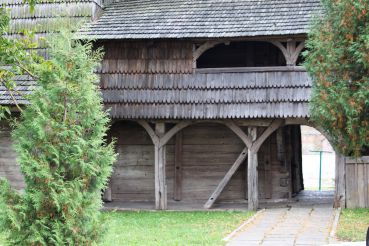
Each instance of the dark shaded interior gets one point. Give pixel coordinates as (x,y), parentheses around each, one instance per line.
(242,54)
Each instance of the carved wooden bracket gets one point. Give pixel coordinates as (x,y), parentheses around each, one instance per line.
(291,52)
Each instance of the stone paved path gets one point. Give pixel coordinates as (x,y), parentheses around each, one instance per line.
(288,226)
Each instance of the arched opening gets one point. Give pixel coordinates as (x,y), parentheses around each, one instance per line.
(242,54)
(318,159)
(318,167)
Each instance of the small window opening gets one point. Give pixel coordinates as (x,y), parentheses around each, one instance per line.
(242,54)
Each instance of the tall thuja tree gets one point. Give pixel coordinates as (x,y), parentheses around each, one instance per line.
(63,154)
(338,61)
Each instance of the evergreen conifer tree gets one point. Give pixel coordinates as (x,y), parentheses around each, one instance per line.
(338,61)
(60,140)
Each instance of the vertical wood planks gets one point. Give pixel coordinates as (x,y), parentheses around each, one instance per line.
(357,182)
(177,195)
(147,57)
(268,170)
(226,179)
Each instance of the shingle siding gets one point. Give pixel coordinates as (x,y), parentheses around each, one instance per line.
(207,96)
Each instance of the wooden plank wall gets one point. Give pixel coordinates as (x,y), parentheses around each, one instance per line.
(146,57)
(133,176)
(9,168)
(357,182)
(208,152)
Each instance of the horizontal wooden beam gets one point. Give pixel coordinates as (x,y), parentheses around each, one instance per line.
(251,69)
(359,160)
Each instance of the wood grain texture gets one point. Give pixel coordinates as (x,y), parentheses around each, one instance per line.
(226,179)
(146,57)
(160,174)
(252,178)
(357,183)
(208,152)
(177,196)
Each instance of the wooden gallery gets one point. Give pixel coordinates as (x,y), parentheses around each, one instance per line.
(206,99)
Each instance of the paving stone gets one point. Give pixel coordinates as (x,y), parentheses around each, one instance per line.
(283,227)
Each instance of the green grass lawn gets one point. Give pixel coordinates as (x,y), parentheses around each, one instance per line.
(353,225)
(169,228)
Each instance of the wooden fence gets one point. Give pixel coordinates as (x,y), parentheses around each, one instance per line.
(357,182)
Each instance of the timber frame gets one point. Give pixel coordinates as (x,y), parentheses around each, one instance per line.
(252,142)
(160,137)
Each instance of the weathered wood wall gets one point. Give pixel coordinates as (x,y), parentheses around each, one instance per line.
(208,151)
(357,182)
(146,57)
(9,168)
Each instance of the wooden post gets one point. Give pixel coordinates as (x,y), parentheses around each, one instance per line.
(178,168)
(340,182)
(160,177)
(252,174)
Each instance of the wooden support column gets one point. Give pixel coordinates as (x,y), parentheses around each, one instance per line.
(340,182)
(177,196)
(160,177)
(252,173)
(160,138)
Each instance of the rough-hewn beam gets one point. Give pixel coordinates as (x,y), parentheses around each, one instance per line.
(240,133)
(291,52)
(226,179)
(252,173)
(160,138)
(271,128)
(150,131)
(160,176)
(173,131)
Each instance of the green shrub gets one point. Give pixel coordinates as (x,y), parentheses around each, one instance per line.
(338,61)
(62,151)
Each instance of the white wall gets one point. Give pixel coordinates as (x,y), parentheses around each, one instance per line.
(312,140)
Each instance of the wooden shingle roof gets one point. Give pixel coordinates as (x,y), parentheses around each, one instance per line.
(44,20)
(148,19)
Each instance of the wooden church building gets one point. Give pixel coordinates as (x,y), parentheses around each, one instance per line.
(206,97)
